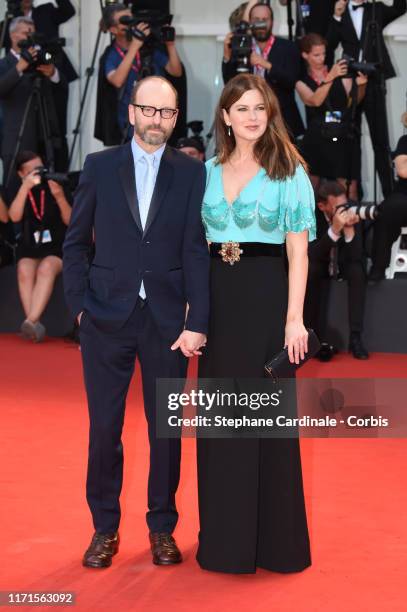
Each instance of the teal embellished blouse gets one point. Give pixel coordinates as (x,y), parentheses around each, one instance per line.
(264,211)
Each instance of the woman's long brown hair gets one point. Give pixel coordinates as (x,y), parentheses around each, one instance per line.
(274,150)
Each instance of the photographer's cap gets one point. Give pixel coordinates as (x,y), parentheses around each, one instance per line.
(190,142)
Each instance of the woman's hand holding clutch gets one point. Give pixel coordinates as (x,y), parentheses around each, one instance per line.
(296,340)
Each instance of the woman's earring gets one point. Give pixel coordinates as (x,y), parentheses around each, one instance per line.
(229,131)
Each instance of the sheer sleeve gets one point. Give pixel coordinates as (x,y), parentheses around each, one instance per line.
(297,205)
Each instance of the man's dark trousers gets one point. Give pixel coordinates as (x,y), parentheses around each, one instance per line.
(109,360)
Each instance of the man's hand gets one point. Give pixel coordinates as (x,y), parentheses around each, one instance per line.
(340,7)
(22,63)
(137,43)
(339,220)
(47,70)
(227,50)
(190,342)
(351,218)
(258,60)
(56,189)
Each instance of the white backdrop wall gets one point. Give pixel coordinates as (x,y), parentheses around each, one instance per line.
(201,25)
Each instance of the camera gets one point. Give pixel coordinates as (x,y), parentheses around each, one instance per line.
(242,44)
(13,8)
(46,50)
(158,22)
(354,66)
(46,175)
(365,212)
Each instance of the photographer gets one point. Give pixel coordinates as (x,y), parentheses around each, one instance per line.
(338,248)
(123,60)
(393,216)
(349,27)
(42,208)
(327,145)
(191,146)
(276,59)
(19,72)
(47,18)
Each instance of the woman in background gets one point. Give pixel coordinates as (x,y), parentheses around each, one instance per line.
(331,147)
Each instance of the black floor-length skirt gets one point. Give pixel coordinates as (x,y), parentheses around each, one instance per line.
(251,499)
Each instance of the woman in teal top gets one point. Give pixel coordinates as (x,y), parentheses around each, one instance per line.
(258,197)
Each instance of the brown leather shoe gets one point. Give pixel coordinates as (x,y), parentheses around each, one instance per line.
(101,550)
(164,548)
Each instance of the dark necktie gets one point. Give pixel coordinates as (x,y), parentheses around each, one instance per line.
(355,7)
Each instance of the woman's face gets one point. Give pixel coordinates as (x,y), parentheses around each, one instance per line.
(316,57)
(248,116)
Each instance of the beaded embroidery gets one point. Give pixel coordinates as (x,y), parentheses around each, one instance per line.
(286,217)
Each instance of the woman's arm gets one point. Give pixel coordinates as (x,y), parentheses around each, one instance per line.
(313,98)
(59,195)
(401,166)
(3,211)
(250,5)
(18,204)
(296,336)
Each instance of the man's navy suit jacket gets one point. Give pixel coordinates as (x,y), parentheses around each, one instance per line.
(107,254)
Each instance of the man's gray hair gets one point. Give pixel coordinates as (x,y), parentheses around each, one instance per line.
(17,21)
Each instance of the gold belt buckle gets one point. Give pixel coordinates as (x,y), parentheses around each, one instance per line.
(230,252)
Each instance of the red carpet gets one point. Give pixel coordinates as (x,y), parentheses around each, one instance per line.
(356,505)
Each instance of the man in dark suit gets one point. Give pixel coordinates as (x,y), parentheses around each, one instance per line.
(145,294)
(17,79)
(338,248)
(277,60)
(350,27)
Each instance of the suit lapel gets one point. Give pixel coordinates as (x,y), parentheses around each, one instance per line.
(366,20)
(162,184)
(349,24)
(128,179)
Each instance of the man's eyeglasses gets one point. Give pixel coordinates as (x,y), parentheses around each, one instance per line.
(150,111)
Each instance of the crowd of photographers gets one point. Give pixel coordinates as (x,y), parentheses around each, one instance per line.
(34,92)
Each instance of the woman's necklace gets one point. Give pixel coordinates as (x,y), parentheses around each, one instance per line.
(319,76)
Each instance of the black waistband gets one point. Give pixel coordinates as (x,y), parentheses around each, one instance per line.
(250,249)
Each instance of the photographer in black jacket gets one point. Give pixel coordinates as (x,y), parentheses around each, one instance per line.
(338,248)
(19,72)
(276,59)
(47,19)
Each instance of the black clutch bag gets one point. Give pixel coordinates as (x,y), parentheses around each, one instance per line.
(281,367)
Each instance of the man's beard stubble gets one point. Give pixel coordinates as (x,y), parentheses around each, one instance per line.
(152,139)
(262,35)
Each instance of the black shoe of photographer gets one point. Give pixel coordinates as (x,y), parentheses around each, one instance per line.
(376,275)
(326,352)
(101,550)
(356,347)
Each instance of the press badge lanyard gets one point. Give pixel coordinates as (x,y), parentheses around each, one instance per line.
(38,213)
(136,65)
(264,53)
